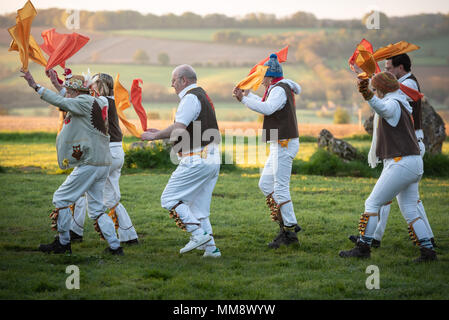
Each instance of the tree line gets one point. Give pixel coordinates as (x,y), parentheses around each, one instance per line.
(128,19)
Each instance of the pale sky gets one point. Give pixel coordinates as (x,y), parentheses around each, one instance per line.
(338,9)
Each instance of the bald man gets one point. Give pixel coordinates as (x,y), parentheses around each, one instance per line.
(196,138)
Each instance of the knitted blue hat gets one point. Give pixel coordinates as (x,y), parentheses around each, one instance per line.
(274,67)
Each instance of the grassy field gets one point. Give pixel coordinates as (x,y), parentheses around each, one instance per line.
(156,73)
(225,112)
(206,34)
(327,209)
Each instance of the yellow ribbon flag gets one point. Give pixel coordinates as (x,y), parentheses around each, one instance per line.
(254,80)
(22,40)
(122,103)
(366,60)
(393,50)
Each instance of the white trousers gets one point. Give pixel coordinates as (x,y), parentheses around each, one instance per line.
(385,210)
(398,179)
(192,183)
(111,197)
(89,180)
(276,175)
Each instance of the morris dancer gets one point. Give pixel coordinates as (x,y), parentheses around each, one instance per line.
(103,85)
(397,146)
(281,131)
(400,67)
(188,193)
(83,144)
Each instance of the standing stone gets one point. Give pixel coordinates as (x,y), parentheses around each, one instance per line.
(433,127)
(336,146)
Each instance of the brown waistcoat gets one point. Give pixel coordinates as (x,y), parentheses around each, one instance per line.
(206,118)
(396,141)
(284,120)
(114,128)
(416,106)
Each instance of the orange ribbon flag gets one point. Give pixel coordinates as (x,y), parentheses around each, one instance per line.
(61,46)
(122,103)
(22,40)
(282,57)
(254,79)
(364,61)
(257,73)
(136,100)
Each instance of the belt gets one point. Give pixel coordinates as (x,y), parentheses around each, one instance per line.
(202,154)
(284,143)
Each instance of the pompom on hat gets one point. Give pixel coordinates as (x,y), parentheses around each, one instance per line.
(274,67)
(385,82)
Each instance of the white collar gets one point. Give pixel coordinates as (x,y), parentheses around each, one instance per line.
(184,91)
(405,76)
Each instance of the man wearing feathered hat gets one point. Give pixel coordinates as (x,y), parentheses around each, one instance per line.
(82,144)
(281,131)
(103,87)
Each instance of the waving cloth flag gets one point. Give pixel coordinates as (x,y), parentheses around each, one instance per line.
(254,79)
(22,40)
(136,100)
(122,103)
(282,57)
(362,54)
(60,47)
(257,73)
(364,61)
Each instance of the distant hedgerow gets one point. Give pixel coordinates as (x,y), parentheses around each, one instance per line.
(325,163)
(152,155)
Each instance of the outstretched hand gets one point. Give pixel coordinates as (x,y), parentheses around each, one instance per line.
(237,93)
(52,74)
(29,78)
(149,135)
(364,89)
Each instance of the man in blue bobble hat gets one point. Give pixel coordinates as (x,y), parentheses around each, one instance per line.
(280,130)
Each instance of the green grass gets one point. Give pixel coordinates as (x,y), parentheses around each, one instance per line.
(327,209)
(36,152)
(206,34)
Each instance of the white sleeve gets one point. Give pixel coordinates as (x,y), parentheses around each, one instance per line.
(254,96)
(103,102)
(188,110)
(276,101)
(389,109)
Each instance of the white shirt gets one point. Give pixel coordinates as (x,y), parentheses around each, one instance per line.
(275,101)
(411,84)
(189,107)
(389,108)
(408,83)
